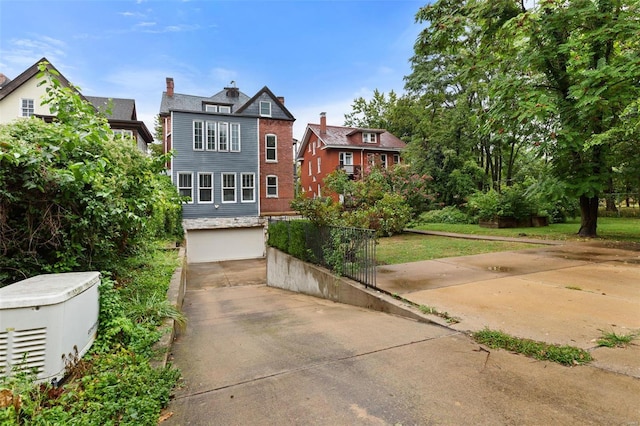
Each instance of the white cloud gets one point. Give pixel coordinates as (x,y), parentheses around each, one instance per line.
(223,75)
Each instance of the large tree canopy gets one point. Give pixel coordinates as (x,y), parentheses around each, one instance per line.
(563,77)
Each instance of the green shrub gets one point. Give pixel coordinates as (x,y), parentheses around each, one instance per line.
(448,214)
(74,197)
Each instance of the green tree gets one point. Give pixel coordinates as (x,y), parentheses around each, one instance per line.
(573,66)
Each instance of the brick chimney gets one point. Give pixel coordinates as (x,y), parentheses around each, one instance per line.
(170,86)
(323,123)
(281,99)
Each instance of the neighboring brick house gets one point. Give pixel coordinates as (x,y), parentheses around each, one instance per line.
(21,97)
(324,149)
(233,157)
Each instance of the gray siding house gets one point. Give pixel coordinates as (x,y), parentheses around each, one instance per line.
(233,162)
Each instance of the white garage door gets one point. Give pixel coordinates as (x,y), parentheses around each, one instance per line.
(213,245)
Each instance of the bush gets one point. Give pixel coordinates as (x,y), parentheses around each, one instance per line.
(72,196)
(448,214)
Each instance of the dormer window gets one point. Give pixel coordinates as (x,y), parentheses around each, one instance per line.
(225,109)
(368,137)
(265,108)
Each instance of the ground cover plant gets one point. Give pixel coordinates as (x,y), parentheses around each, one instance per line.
(562,354)
(74,197)
(410,247)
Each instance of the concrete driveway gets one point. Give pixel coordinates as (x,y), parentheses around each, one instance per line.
(255,355)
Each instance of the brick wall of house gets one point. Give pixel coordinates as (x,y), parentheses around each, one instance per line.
(283,169)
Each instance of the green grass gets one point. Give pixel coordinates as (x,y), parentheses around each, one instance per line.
(406,248)
(565,355)
(612,340)
(609,228)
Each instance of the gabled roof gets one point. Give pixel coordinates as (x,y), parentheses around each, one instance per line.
(26,75)
(121,109)
(339,137)
(275,99)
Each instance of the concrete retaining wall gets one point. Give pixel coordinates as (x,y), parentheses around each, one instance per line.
(289,273)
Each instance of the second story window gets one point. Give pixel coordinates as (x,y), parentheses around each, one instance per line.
(198,137)
(319,164)
(123,133)
(211,108)
(185,185)
(224,109)
(368,137)
(346,158)
(272,186)
(27,108)
(205,188)
(228,187)
(271,146)
(265,108)
(248,187)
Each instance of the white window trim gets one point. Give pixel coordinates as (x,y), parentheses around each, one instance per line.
(193,135)
(211,108)
(396,159)
(215,135)
(22,107)
(260,108)
(242,188)
(344,155)
(309,167)
(373,137)
(384,160)
(209,188)
(314,147)
(266,148)
(267,186)
(224,109)
(222,125)
(231,126)
(185,187)
(319,164)
(235,187)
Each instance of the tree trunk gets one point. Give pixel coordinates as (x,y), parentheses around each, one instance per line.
(610,197)
(588,216)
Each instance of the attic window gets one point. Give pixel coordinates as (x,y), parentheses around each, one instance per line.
(265,108)
(368,137)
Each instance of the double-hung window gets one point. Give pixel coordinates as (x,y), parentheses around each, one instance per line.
(272,186)
(265,108)
(396,158)
(319,158)
(271,146)
(205,188)
(185,185)
(27,107)
(228,187)
(383,160)
(211,135)
(235,137)
(223,136)
(368,137)
(198,135)
(248,188)
(346,158)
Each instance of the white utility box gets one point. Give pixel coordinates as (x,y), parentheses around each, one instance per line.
(48,321)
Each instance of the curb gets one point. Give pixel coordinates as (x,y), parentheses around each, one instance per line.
(175,295)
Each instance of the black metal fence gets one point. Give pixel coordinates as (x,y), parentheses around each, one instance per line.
(349,252)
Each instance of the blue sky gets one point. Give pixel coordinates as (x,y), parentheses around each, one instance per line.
(320,55)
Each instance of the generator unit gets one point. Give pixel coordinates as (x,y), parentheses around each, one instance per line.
(47,323)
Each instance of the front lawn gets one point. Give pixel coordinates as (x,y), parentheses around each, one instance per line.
(609,228)
(408,247)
